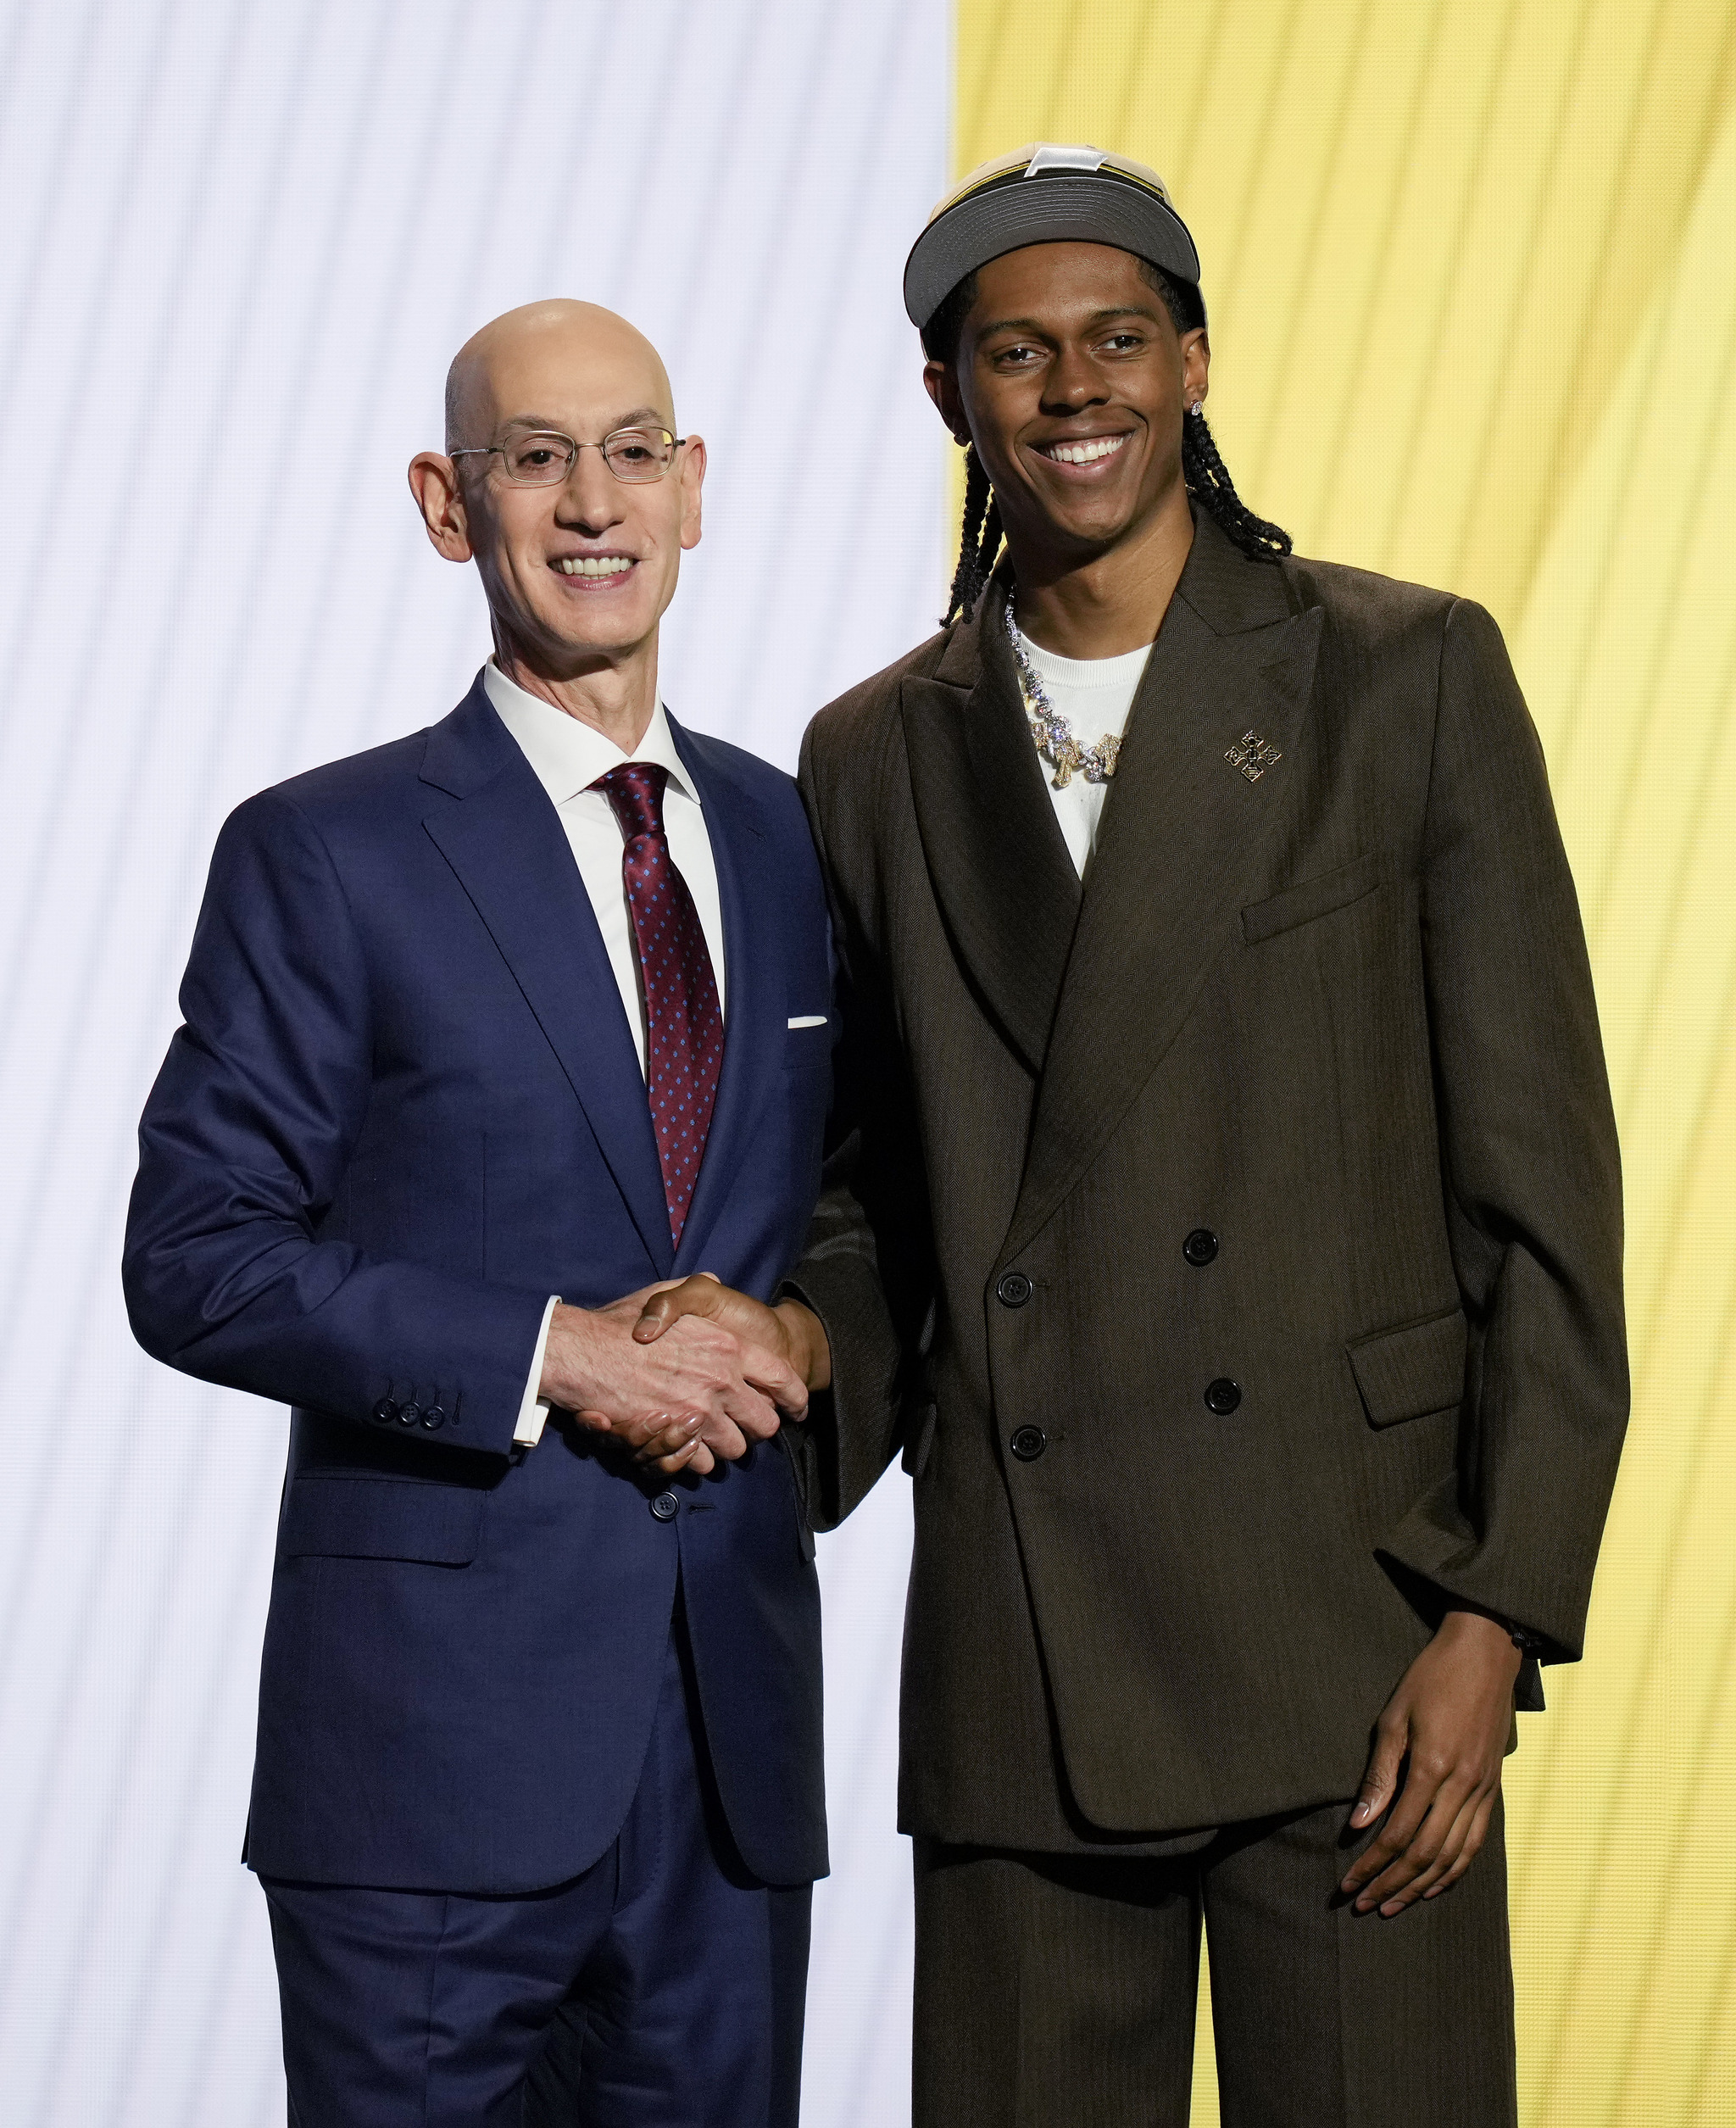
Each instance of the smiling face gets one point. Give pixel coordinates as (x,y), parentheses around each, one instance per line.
(577,575)
(1073,382)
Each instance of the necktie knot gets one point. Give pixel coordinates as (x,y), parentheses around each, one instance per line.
(635,794)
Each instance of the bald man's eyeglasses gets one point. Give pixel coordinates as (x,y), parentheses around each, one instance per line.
(543,457)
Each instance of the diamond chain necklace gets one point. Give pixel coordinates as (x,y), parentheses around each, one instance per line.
(1054,735)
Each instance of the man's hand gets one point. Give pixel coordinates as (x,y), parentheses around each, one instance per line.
(1451,1717)
(695,1394)
(793,1332)
(794,1335)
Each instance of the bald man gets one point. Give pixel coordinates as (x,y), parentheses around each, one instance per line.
(486,1032)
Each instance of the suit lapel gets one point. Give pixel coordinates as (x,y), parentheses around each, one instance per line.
(511,855)
(755,1005)
(1181,837)
(1005,884)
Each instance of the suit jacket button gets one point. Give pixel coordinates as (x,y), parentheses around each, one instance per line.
(1028,1443)
(434,1418)
(1222,1395)
(384,1412)
(1014,1290)
(1200,1247)
(666,1507)
(408,1414)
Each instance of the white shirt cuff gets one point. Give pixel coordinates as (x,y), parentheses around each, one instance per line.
(533,1413)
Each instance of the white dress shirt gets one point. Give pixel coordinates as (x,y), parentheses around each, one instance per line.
(1094,695)
(568,757)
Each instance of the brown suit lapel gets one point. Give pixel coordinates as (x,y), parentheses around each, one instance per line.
(1005,884)
(1181,832)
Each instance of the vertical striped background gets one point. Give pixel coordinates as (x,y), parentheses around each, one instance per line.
(1471,267)
(237,245)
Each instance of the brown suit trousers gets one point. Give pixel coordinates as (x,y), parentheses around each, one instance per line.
(1057,1990)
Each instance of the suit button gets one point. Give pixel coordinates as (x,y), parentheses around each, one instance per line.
(408,1414)
(384,1412)
(1014,1290)
(1200,1247)
(666,1507)
(434,1418)
(1028,1443)
(1222,1395)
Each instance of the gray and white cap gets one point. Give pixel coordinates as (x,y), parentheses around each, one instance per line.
(1047,194)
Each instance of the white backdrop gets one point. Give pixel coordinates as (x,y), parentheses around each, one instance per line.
(237,247)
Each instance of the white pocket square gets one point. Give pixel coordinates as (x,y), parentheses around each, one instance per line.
(808,1019)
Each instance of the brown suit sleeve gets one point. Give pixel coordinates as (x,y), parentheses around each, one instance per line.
(1531,1164)
(875,1312)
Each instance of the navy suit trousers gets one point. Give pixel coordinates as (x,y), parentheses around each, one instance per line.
(674,1981)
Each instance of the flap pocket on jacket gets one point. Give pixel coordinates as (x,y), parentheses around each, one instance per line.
(1407,1373)
(1311,897)
(381,1518)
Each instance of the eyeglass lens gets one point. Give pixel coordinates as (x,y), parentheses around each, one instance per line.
(539,459)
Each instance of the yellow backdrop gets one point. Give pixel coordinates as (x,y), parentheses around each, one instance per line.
(1472,270)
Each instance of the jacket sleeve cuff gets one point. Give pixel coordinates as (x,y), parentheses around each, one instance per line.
(399,1344)
(852,1430)
(1440,1562)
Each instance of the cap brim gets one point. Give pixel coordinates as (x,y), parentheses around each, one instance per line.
(1043,210)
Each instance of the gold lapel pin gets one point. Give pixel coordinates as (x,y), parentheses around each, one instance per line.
(1253,755)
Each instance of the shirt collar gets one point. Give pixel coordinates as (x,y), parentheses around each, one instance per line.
(569,756)
(1122,670)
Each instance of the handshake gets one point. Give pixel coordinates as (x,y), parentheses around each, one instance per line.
(686,1372)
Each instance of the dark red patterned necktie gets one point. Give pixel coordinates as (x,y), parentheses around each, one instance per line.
(684,1021)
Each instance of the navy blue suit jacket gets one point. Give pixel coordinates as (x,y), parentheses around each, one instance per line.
(404,1108)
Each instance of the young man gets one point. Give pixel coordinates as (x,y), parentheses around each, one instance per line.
(1231,1234)
(530,1004)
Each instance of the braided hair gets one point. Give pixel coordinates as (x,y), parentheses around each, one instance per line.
(1207,478)
(981,543)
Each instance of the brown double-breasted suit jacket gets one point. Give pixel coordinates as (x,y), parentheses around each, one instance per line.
(1233,1244)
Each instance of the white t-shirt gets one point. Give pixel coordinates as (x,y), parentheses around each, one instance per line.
(1094,695)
